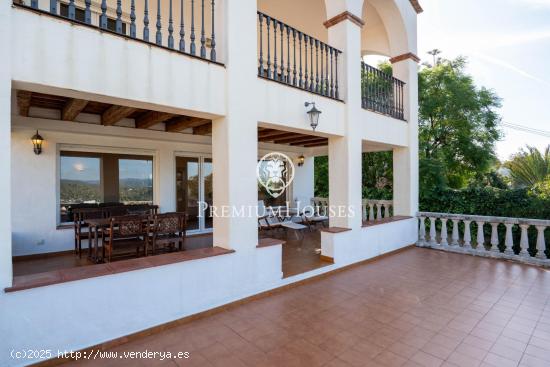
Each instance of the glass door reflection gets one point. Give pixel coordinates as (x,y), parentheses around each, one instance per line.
(188,189)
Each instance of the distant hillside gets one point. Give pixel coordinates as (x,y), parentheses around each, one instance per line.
(131,189)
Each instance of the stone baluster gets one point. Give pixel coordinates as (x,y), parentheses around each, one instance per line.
(541,244)
(494,238)
(480,239)
(378,211)
(467,235)
(386,207)
(444,233)
(364,211)
(509,239)
(454,236)
(433,240)
(524,241)
(422,231)
(371,212)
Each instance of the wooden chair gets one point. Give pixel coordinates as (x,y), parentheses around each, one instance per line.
(168,230)
(81,230)
(126,235)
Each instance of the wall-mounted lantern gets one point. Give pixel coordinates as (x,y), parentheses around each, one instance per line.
(301,160)
(313,115)
(37,140)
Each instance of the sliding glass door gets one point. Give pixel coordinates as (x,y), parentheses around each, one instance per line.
(194,186)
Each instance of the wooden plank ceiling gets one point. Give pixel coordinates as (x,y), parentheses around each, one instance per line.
(288,138)
(112,114)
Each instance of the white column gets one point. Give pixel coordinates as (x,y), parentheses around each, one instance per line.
(345,153)
(524,241)
(454,236)
(5,146)
(405,160)
(509,239)
(480,239)
(234,138)
(467,235)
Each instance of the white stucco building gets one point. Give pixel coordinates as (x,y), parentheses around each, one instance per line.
(97,93)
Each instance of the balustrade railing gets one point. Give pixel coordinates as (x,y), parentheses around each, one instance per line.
(501,237)
(187,26)
(291,57)
(381,92)
(374,210)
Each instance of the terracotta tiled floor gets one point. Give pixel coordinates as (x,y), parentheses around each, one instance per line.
(417,308)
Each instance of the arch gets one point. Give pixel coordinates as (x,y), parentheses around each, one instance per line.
(390,27)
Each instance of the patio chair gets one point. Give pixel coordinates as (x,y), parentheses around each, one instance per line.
(168,231)
(81,230)
(313,218)
(126,235)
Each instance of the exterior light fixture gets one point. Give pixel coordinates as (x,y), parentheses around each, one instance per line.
(37,143)
(301,160)
(313,115)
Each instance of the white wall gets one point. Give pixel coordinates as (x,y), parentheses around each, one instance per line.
(77,59)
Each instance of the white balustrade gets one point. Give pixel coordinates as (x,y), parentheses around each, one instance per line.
(372,210)
(464,244)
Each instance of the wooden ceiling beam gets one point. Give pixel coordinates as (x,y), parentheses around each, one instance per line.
(151,118)
(297,139)
(115,113)
(319,144)
(272,133)
(180,123)
(205,129)
(72,108)
(281,135)
(24,102)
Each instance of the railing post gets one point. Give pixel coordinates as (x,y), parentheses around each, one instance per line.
(509,239)
(444,233)
(53,6)
(213,36)
(133,19)
(118,23)
(203,34)
(524,241)
(422,231)
(378,211)
(146,22)
(71,10)
(454,236)
(170,27)
(480,239)
(364,211)
(182,27)
(159,25)
(467,235)
(433,239)
(541,244)
(103,16)
(88,12)
(494,238)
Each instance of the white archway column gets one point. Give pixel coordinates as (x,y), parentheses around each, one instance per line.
(5,149)
(405,160)
(345,152)
(234,138)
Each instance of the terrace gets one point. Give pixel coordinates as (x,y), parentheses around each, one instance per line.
(415,308)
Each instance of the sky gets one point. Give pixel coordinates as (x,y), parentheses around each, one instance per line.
(507,44)
(88,169)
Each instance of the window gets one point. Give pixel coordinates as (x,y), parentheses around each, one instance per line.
(94,179)
(135,181)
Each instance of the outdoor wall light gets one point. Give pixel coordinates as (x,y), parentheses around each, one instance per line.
(301,160)
(37,143)
(313,115)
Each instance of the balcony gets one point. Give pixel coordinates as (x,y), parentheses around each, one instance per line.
(381,92)
(185,26)
(289,56)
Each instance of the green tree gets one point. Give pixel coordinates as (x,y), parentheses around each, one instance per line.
(458,126)
(529,167)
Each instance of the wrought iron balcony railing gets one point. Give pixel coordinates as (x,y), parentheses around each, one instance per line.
(381,92)
(194,20)
(291,57)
